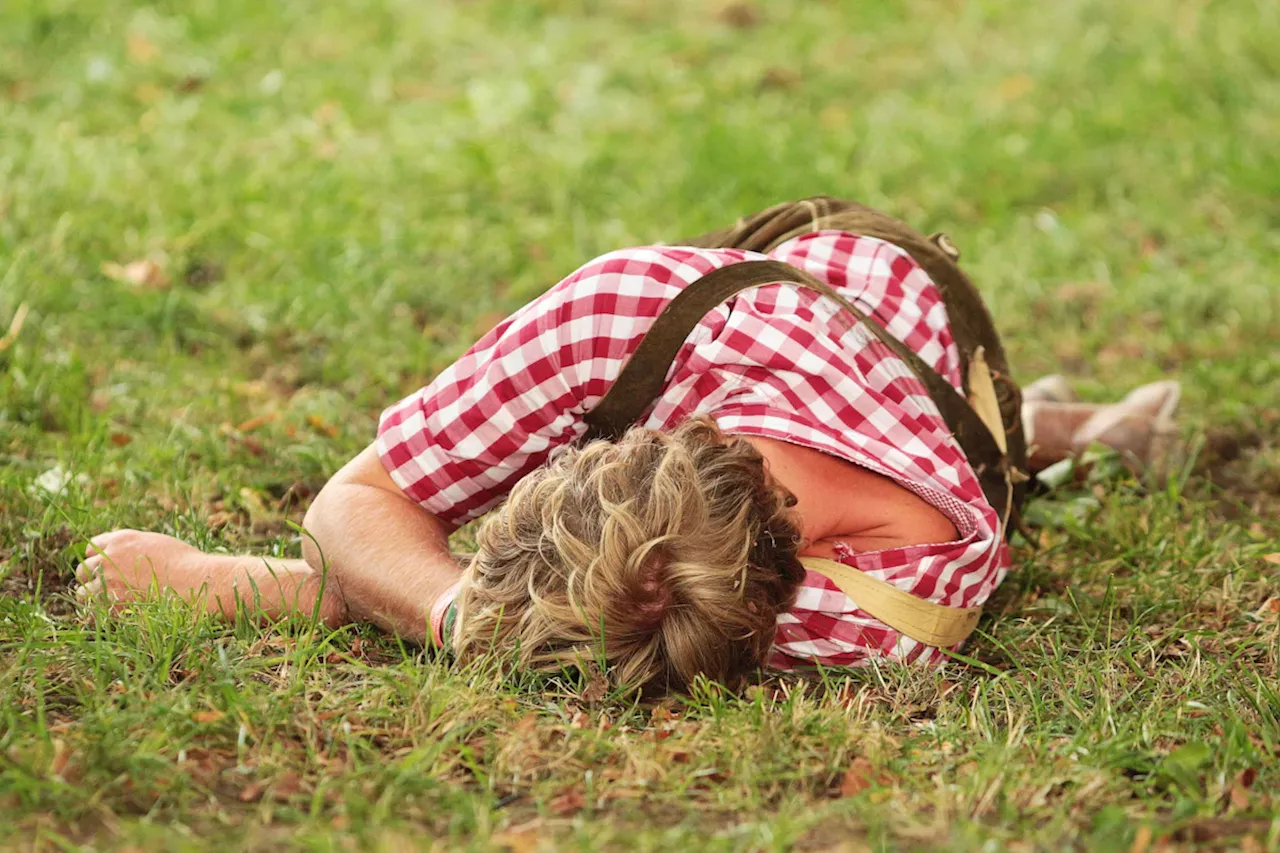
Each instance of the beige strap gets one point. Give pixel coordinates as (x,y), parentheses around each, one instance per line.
(929,623)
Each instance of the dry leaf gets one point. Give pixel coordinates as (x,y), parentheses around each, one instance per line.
(1273,559)
(144,273)
(120,439)
(320,425)
(740,14)
(207,716)
(286,786)
(252,792)
(1141,840)
(256,422)
(857,778)
(569,803)
(779,78)
(597,688)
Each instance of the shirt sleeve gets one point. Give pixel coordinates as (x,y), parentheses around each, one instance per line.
(460,444)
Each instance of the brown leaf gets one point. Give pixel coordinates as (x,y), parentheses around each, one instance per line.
(857,778)
(286,786)
(579,720)
(597,688)
(320,425)
(1246,777)
(143,273)
(256,422)
(779,78)
(187,85)
(252,792)
(207,716)
(1273,559)
(740,14)
(120,439)
(568,803)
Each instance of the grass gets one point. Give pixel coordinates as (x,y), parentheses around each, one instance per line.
(337,198)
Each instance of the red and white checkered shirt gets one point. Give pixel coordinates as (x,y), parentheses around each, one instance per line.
(774,361)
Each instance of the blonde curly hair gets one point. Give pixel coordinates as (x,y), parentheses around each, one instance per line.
(669,555)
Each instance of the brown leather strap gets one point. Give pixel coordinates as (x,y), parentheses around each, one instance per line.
(640,383)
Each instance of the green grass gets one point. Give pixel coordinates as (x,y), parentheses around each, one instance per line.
(343,195)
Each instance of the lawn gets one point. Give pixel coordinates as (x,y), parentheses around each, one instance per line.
(231,232)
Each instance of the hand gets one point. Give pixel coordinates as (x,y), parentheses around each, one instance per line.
(125,565)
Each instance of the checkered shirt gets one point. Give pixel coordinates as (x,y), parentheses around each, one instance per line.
(773,361)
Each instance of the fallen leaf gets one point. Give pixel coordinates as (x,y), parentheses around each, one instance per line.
(740,14)
(568,803)
(1273,559)
(252,792)
(144,273)
(187,85)
(320,425)
(207,716)
(579,720)
(120,439)
(597,688)
(256,422)
(857,778)
(286,786)
(779,78)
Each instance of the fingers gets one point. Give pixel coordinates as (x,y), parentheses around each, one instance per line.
(90,574)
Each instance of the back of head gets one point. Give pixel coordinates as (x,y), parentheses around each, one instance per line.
(668,554)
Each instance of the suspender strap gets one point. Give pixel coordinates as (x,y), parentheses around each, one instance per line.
(640,383)
(932,624)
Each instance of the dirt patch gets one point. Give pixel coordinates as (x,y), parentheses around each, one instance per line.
(37,567)
(1238,469)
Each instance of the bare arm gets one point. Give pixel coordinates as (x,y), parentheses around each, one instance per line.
(371,554)
(387,557)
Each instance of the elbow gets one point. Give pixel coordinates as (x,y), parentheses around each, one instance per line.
(313,529)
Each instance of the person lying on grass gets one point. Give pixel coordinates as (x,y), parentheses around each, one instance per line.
(783,430)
